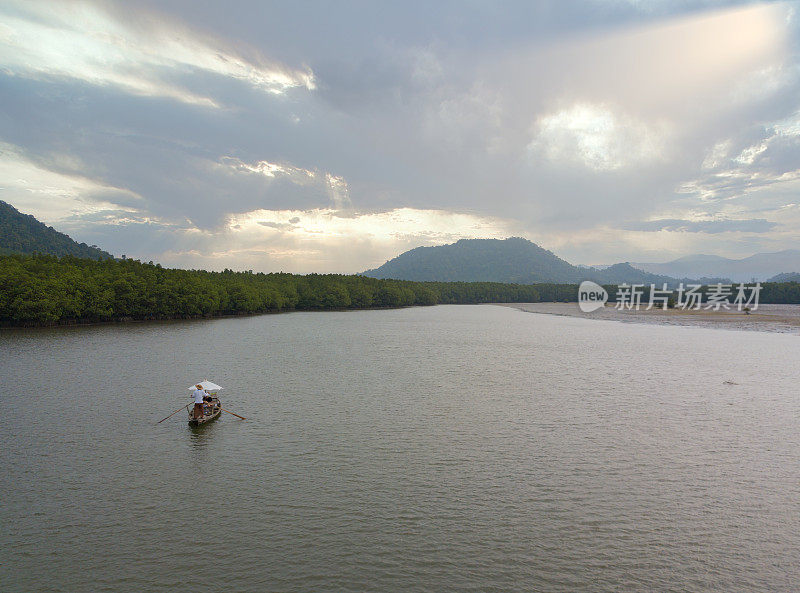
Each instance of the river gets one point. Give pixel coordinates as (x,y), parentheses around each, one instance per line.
(448,448)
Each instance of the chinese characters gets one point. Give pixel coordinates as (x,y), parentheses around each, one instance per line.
(715,297)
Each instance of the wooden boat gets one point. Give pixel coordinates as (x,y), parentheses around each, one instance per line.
(211,411)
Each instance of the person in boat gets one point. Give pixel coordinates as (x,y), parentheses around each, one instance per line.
(198,394)
(208,403)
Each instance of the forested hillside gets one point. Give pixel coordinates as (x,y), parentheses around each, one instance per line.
(22,233)
(474,260)
(786,277)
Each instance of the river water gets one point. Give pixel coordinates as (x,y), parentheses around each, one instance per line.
(449,448)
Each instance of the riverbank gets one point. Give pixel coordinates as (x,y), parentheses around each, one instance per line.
(153,319)
(769,318)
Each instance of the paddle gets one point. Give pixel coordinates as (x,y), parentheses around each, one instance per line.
(173,413)
(237,415)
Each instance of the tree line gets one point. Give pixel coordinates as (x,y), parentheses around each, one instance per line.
(42,289)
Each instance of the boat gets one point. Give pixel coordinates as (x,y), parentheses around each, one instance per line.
(211,409)
(211,412)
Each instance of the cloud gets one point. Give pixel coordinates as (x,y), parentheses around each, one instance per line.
(563,123)
(334,187)
(32,186)
(755,225)
(271,224)
(399,224)
(302,241)
(595,137)
(758,165)
(140,53)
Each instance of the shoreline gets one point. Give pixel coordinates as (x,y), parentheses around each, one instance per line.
(133,320)
(767,318)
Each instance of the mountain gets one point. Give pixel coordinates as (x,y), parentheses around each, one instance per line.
(786,277)
(474,260)
(22,233)
(626,273)
(503,260)
(759,266)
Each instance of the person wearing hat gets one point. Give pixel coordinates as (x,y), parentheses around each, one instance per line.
(197,395)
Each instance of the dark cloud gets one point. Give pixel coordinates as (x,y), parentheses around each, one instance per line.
(281,226)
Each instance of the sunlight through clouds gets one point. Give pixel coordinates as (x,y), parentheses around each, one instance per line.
(395,225)
(52,195)
(341,137)
(595,137)
(304,241)
(333,186)
(81,40)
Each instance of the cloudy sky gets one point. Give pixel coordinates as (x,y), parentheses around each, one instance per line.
(331,136)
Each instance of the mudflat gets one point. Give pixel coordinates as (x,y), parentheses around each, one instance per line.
(772,318)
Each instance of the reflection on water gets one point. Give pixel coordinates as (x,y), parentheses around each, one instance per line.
(200,436)
(435,449)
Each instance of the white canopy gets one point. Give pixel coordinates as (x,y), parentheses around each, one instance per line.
(207,386)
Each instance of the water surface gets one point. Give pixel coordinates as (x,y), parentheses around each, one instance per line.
(471,448)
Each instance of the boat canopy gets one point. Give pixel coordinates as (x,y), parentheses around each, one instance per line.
(207,386)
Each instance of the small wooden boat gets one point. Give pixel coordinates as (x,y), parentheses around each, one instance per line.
(212,408)
(211,411)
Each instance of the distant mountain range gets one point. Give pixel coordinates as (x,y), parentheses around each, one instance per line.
(514,260)
(761,266)
(506,260)
(22,233)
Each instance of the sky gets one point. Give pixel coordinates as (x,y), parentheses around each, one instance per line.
(332,136)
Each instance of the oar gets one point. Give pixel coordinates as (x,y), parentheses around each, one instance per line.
(237,415)
(173,413)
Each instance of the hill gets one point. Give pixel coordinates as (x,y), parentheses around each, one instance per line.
(22,233)
(760,266)
(626,273)
(513,260)
(786,277)
(476,260)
